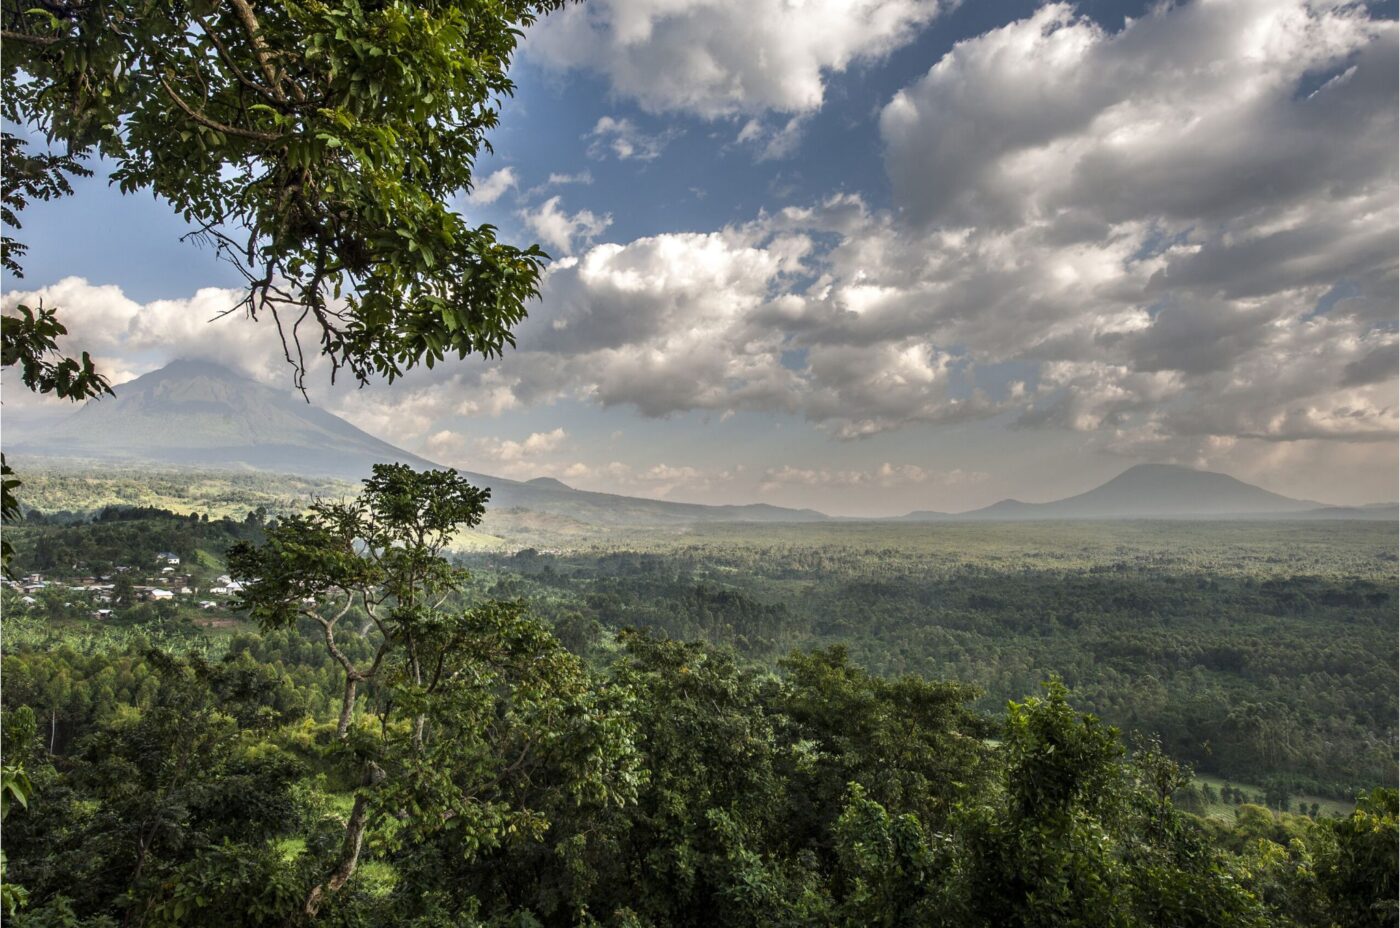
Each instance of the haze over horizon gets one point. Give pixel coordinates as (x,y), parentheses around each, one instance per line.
(935,257)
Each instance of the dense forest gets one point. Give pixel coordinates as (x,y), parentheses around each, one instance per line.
(1264,653)
(671,735)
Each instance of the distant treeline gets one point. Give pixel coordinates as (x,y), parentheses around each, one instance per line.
(122,535)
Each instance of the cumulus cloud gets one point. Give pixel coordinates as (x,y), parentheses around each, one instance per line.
(1179,239)
(1155,218)
(624,140)
(1138,233)
(494,186)
(724,57)
(560,230)
(773,142)
(509,452)
(1193,113)
(128,338)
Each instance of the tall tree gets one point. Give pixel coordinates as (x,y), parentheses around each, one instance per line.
(469,702)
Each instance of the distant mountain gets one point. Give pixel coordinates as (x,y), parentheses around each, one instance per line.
(196,414)
(201,415)
(1157,491)
(548,482)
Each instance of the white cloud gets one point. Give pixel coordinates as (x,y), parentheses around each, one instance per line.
(128,338)
(494,186)
(510,452)
(1192,113)
(773,142)
(1124,233)
(624,140)
(493,394)
(560,230)
(724,57)
(532,456)
(559,180)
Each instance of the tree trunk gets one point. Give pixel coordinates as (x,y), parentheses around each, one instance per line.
(347,707)
(350,849)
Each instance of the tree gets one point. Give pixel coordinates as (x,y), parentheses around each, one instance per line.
(144,796)
(316,146)
(19,732)
(1358,871)
(469,702)
(1083,836)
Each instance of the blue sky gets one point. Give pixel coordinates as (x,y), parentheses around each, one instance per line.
(879,255)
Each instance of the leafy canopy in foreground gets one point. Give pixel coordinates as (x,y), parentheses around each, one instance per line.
(29,340)
(316,145)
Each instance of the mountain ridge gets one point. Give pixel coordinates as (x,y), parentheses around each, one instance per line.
(192,413)
(1159,491)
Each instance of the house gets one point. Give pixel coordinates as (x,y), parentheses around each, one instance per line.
(28,600)
(208,604)
(102,614)
(155,595)
(167,557)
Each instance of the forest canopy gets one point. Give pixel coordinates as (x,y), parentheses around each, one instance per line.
(402,741)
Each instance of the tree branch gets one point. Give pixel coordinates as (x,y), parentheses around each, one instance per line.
(232,64)
(9,36)
(217,126)
(260,52)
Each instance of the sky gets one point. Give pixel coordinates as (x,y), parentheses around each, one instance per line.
(872,256)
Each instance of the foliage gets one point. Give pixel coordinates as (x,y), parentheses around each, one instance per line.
(403,743)
(1255,652)
(30,340)
(474,706)
(1357,872)
(316,145)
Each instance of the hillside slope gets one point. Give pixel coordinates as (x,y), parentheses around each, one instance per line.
(1153,491)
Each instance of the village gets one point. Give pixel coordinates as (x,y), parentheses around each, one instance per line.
(103,597)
